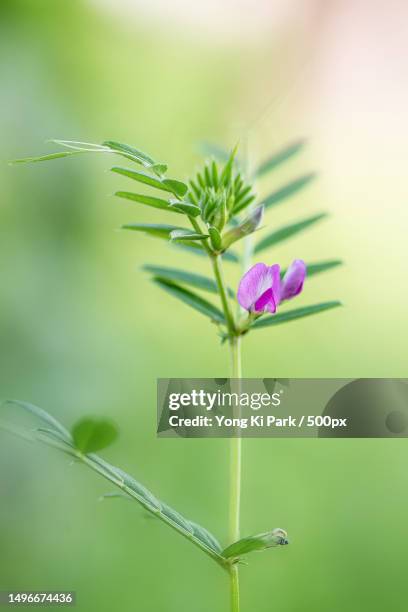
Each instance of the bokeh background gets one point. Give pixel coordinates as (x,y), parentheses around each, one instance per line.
(84,332)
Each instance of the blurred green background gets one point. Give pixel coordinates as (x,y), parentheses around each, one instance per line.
(84,332)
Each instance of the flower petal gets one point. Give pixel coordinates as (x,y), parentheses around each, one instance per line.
(253,284)
(259,288)
(276,286)
(265,302)
(292,283)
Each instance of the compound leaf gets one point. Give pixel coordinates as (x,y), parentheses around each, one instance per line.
(198,535)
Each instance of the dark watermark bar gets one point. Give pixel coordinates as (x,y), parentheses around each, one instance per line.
(282,408)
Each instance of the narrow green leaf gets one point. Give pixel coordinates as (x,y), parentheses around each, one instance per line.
(177,518)
(146,496)
(287,231)
(148,200)
(279,157)
(184,207)
(206,537)
(287,190)
(230,256)
(243,198)
(184,234)
(30,160)
(174,274)
(52,438)
(77,145)
(191,299)
(261,541)
(170,185)
(109,146)
(214,174)
(131,152)
(91,434)
(292,315)
(207,176)
(182,276)
(131,487)
(244,204)
(243,192)
(195,189)
(319,266)
(42,415)
(56,435)
(177,187)
(141,177)
(226,174)
(200,180)
(322,266)
(152,504)
(159,230)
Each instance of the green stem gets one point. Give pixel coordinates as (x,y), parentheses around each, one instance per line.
(198,229)
(235,443)
(234,588)
(235,473)
(219,277)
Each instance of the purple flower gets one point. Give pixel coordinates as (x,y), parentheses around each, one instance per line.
(261,288)
(292,282)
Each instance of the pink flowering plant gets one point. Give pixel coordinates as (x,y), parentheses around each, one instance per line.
(216,215)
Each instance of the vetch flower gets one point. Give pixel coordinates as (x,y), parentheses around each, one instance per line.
(259,289)
(292,282)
